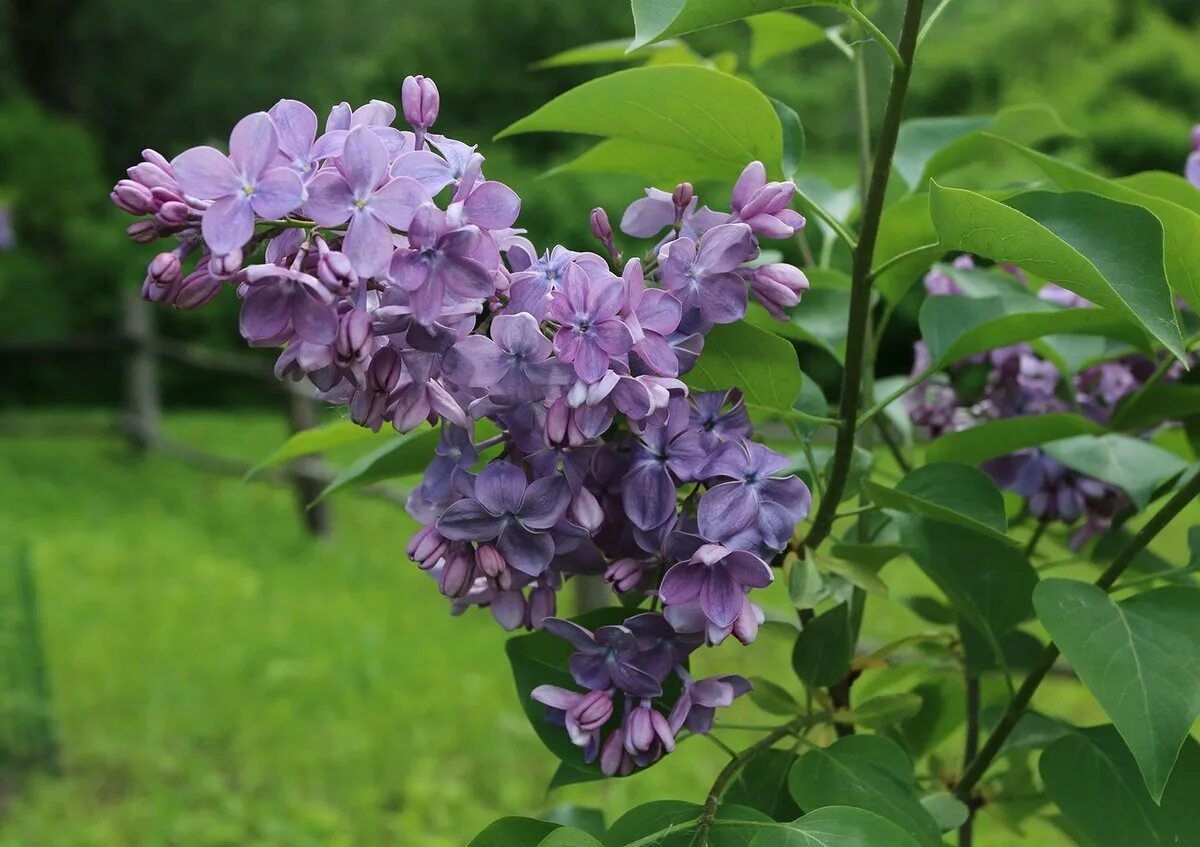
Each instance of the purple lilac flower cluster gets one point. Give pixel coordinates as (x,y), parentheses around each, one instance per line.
(1019,382)
(394,281)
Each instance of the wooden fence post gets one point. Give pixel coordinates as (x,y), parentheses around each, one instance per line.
(303,415)
(143,408)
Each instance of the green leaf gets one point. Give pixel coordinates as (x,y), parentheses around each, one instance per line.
(568,837)
(871,556)
(884,711)
(905,230)
(779,33)
(762,785)
(824,648)
(949,812)
(866,772)
(541,659)
(1033,731)
(1162,402)
(942,711)
(1133,465)
(988,582)
(856,573)
(655,20)
(616,50)
(1090,775)
(806,589)
(836,826)
(699,110)
(1107,251)
(793,136)
(993,439)
(773,698)
(957,327)
(762,365)
(1175,210)
(929,147)
(659,164)
(318,440)
(401,456)
(671,823)
(1140,658)
(515,832)
(948,492)
(589,820)
(819,319)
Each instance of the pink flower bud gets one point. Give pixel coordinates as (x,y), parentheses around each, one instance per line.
(164,269)
(353,335)
(584,511)
(158,160)
(490,560)
(197,289)
(457,574)
(152,176)
(336,271)
(593,710)
(132,197)
(142,232)
(624,575)
(427,547)
(225,265)
(384,371)
(542,604)
(162,195)
(613,759)
(557,419)
(172,214)
(421,101)
(778,287)
(682,196)
(601,228)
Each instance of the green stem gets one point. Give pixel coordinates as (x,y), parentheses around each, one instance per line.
(730,771)
(933,16)
(899,257)
(901,59)
(1020,702)
(866,416)
(860,286)
(966,833)
(1031,545)
(812,467)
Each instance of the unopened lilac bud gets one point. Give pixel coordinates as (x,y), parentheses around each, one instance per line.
(172,214)
(336,271)
(778,287)
(558,416)
(613,759)
(745,626)
(427,547)
(682,197)
(457,573)
(585,512)
(624,575)
(542,604)
(421,101)
(384,371)
(164,269)
(152,176)
(132,197)
(162,195)
(490,561)
(508,608)
(197,289)
(601,228)
(225,265)
(594,710)
(142,232)
(353,335)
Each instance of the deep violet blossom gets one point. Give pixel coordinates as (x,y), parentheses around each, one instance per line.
(394,278)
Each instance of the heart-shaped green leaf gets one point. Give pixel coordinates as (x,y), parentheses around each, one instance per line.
(866,772)
(1107,251)
(992,439)
(948,492)
(1092,778)
(1140,658)
(695,109)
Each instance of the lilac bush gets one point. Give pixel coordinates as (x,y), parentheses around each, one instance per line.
(393,278)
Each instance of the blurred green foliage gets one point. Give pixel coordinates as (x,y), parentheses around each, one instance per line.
(85,84)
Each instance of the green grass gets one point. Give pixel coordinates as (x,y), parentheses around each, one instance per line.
(220,678)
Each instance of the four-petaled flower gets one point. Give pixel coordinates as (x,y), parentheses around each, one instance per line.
(605,658)
(753,507)
(515,363)
(718,577)
(590,332)
(703,275)
(440,262)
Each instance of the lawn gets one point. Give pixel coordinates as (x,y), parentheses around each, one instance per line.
(220,678)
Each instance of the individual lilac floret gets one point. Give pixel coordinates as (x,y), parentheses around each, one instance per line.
(583,715)
(605,658)
(702,276)
(421,101)
(243,184)
(778,287)
(1055,492)
(698,704)
(753,508)
(441,261)
(651,315)
(361,192)
(282,303)
(764,205)
(590,331)
(667,453)
(514,364)
(299,147)
(720,417)
(718,578)
(517,514)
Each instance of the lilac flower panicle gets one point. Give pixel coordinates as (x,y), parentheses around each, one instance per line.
(391,275)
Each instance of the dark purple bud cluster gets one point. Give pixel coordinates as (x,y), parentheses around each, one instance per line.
(568,443)
(1019,382)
